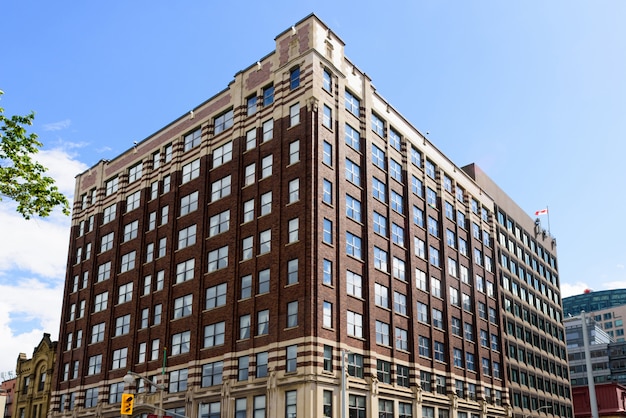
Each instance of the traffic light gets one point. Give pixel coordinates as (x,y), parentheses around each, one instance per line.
(127,404)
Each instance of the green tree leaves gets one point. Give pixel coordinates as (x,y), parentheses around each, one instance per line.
(22,178)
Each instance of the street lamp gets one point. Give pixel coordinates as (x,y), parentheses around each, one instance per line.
(538,409)
(129,379)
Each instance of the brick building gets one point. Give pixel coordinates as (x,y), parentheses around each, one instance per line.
(290,224)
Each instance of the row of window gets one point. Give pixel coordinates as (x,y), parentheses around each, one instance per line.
(220,155)
(394,139)
(221,122)
(523,236)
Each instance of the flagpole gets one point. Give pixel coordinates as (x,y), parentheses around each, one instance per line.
(548,220)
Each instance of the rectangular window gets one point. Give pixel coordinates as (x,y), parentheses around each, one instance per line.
(97,333)
(109,214)
(355,324)
(327,117)
(352,103)
(104,271)
(265,241)
(382,333)
(266,203)
(294,152)
(218,259)
(293,230)
(183,306)
(353,138)
(223,121)
(399,269)
(424,346)
(395,170)
(294,78)
(379,189)
(327,154)
(178,381)
(181,343)
(356,406)
(162,247)
(353,245)
(192,139)
(327,314)
(378,125)
(122,325)
(250,139)
(222,154)
(134,172)
(327,192)
(292,271)
(214,334)
(294,190)
(216,296)
(354,284)
(212,376)
(106,242)
(268,130)
(268,95)
(251,105)
(294,114)
(327,83)
(219,223)
(327,271)
(399,303)
(263,322)
(402,339)
(291,360)
(353,172)
(244,327)
(420,280)
(262,360)
(381,297)
(383,371)
(248,211)
(128,262)
(125,293)
(187,237)
(355,365)
(189,203)
(185,271)
(190,171)
(397,234)
(133,201)
(292,314)
(220,188)
(264,282)
(328,358)
(327,231)
(111,186)
(247,248)
(119,358)
(418,216)
(95,365)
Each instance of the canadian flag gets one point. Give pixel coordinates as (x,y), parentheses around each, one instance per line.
(542,212)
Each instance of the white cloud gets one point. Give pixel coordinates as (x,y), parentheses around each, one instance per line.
(33,256)
(571,289)
(57,126)
(62,167)
(32,299)
(102,150)
(39,246)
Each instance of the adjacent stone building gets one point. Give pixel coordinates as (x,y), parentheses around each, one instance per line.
(34,380)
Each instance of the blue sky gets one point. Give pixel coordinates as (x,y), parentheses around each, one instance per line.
(532,91)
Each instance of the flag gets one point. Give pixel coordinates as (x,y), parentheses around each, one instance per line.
(542,212)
